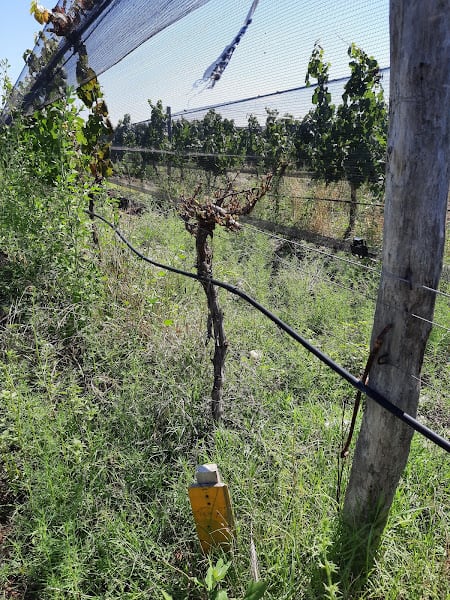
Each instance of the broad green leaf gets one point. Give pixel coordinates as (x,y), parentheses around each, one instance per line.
(221,569)
(256,590)
(209,579)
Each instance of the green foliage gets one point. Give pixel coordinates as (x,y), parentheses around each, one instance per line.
(152,134)
(43,231)
(252,140)
(5,82)
(102,425)
(215,576)
(219,140)
(349,143)
(124,133)
(216,140)
(28,94)
(156,134)
(319,123)
(255,590)
(277,140)
(103,414)
(361,122)
(97,131)
(131,164)
(183,142)
(34,91)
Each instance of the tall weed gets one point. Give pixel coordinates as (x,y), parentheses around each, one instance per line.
(43,230)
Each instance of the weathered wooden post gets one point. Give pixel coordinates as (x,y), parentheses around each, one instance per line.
(417,184)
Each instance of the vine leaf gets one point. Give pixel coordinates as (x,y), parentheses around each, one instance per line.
(41,14)
(89,92)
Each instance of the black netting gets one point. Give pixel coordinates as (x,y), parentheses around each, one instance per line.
(271,58)
(119,42)
(120,26)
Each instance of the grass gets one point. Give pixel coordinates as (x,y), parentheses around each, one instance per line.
(297,201)
(105,414)
(323,209)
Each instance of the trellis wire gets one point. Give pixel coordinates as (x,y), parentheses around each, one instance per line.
(348,261)
(353,291)
(343,373)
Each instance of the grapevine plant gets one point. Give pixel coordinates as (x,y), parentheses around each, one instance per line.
(97,132)
(201,214)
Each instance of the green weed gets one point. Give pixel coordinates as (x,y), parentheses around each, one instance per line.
(105,414)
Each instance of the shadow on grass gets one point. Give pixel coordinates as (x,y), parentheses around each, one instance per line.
(346,566)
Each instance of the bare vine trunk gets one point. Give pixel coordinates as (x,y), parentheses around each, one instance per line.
(215,316)
(352,212)
(91,216)
(417,185)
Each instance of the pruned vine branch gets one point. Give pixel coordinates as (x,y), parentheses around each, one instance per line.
(201,214)
(224,208)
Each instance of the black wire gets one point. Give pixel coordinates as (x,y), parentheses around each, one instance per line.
(354,381)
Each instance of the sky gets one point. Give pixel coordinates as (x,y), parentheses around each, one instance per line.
(17,29)
(272,56)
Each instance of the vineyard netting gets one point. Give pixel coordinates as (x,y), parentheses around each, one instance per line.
(110,29)
(271,59)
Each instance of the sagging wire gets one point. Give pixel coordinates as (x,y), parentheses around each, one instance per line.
(294,243)
(343,373)
(335,200)
(291,196)
(439,292)
(420,286)
(433,323)
(223,155)
(422,381)
(315,250)
(328,281)
(333,283)
(364,294)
